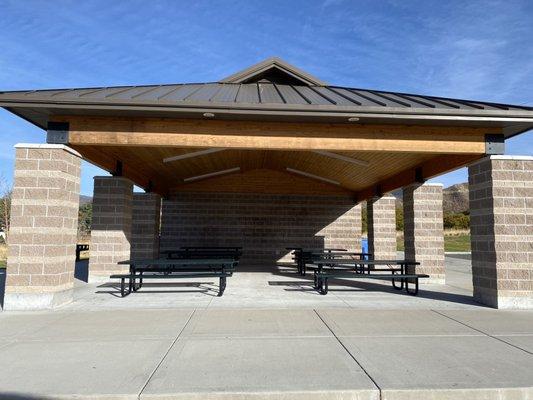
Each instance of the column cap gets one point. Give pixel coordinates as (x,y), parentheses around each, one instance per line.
(111,177)
(510,157)
(47,146)
(425,184)
(507,157)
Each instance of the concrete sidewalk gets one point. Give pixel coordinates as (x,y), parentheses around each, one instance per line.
(336,353)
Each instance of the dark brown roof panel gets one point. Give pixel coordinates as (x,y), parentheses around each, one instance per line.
(269,93)
(227,93)
(312,96)
(248,93)
(205,93)
(334,96)
(290,95)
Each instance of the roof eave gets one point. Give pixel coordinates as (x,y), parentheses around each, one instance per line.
(523,120)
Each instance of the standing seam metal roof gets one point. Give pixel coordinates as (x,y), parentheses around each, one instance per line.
(254,94)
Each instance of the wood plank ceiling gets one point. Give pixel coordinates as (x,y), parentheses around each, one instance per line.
(146,164)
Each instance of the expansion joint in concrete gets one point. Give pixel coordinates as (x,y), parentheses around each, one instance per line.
(349,353)
(483,333)
(166,354)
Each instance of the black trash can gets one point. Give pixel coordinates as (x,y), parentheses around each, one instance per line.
(3,273)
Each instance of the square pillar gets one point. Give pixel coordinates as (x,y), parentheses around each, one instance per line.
(345,231)
(424,229)
(43,232)
(145,225)
(111,227)
(501,227)
(381,221)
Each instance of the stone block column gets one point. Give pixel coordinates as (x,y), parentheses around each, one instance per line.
(345,231)
(381,221)
(111,226)
(501,226)
(44,222)
(424,229)
(146,218)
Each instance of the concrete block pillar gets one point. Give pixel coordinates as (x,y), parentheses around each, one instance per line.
(501,226)
(424,229)
(43,232)
(145,225)
(111,226)
(345,231)
(381,221)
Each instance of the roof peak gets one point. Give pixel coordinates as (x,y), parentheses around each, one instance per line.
(274,70)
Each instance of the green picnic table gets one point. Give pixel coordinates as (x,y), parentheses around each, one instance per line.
(175,269)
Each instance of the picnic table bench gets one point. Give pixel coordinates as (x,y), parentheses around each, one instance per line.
(306,257)
(345,268)
(299,253)
(175,269)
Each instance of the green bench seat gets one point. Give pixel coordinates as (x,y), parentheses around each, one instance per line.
(322,277)
(132,278)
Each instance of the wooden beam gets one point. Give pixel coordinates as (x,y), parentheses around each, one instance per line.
(426,170)
(151,132)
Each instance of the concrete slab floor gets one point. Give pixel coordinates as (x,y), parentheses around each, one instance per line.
(270,336)
(281,288)
(377,323)
(256,353)
(260,368)
(255,323)
(424,367)
(89,369)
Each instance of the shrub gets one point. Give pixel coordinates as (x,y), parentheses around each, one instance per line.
(456,221)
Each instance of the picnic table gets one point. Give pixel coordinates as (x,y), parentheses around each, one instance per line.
(308,256)
(179,268)
(346,268)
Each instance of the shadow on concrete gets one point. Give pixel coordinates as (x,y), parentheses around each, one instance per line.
(208,288)
(21,396)
(362,286)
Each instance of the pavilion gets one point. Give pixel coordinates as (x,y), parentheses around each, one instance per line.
(266,158)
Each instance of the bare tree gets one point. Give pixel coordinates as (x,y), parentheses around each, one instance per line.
(5,204)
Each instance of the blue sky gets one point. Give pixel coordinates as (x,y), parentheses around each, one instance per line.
(466,49)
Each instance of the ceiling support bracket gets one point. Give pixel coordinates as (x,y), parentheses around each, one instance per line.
(150,187)
(118,169)
(419,175)
(494,144)
(57,132)
(379,191)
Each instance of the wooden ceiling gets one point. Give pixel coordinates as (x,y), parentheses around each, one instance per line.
(145,165)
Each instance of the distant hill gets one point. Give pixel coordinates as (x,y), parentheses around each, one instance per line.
(85,200)
(455,198)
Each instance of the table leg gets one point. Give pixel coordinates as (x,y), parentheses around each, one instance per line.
(324,288)
(222,286)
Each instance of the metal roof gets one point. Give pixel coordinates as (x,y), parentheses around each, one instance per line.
(264,95)
(273,66)
(265,99)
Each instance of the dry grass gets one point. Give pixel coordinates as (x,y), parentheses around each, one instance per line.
(454,240)
(3,255)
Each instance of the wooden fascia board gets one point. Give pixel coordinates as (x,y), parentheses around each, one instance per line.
(275,135)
